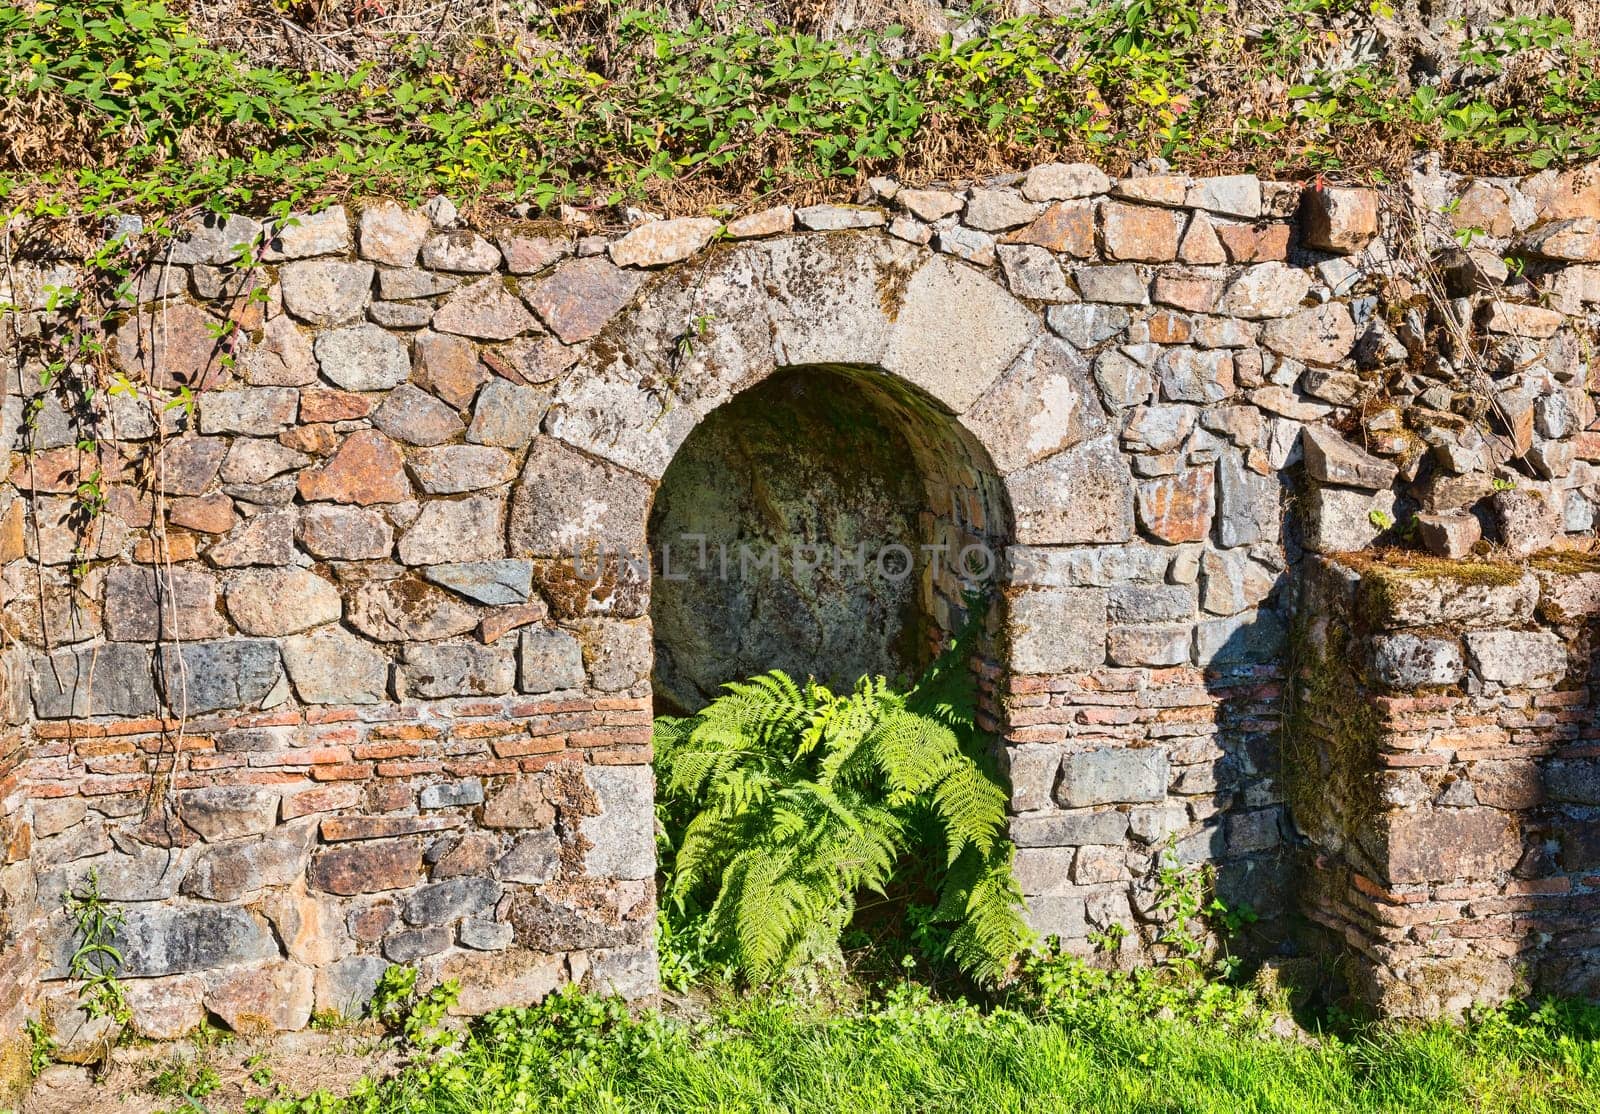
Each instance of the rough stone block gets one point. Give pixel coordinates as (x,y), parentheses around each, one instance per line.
(1409,661)
(1059,630)
(1518,659)
(1120,775)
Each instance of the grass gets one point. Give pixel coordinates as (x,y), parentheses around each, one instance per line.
(1095,1043)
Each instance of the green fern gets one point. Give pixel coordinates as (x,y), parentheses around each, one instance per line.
(781,803)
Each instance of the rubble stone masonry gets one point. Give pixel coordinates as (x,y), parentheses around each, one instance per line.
(322,689)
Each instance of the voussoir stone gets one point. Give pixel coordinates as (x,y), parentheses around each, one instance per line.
(661,242)
(276,602)
(363,358)
(485,310)
(326,292)
(1045,402)
(333,666)
(555,479)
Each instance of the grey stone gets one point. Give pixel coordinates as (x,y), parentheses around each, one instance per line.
(577,300)
(1159,428)
(1324,334)
(1117,284)
(666,241)
(453,469)
(1064,182)
(484,310)
(996,210)
(400,315)
(444,902)
(363,358)
(1082,495)
(1057,630)
(305,234)
(392,235)
(1409,661)
(260,411)
(1234,195)
(1044,403)
(556,478)
(413,944)
(1148,645)
(216,240)
(977,248)
(550,660)
(1070,829)
(407,610)
(1522,521)
(81,842)
(282,358)
(333,666)
(533,858)
(113,680)
(1247,503)
(496,583)
(461,250)
(455,794)
(1519,659)
(1196,374)
(617,654)
(454,530)
(507,415)
(210,676)
(416,417)
(173,940)
(834,218)
(231,871)
(414,283)
(431,671)
(345,986)
(344,533)
(266,539)
(993,329)
(1032,272)
(1340,520)
(1331,459)
(144,604)
(253,460)
(486,935)
(622,837)
(1122,381)
(1151,603)
(1251,637)
(326,292)
(1231,582)
(1112,776)
(276,602)
(1266,290)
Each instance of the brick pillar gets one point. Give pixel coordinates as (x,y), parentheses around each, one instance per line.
(1441,762)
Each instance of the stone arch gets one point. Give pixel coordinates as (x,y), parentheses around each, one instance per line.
(936,329)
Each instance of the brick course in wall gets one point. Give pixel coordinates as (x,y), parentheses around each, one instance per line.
(327,690)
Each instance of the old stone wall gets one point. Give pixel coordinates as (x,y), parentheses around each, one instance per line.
(323,687)
(1443,771)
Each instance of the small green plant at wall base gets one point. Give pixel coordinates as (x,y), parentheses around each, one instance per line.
(414,1015)
(1382,519)
(41,1046)
(96,960)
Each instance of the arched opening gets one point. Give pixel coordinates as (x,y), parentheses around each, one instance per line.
(829,522)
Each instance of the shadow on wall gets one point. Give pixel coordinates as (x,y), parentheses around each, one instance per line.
(814,524)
